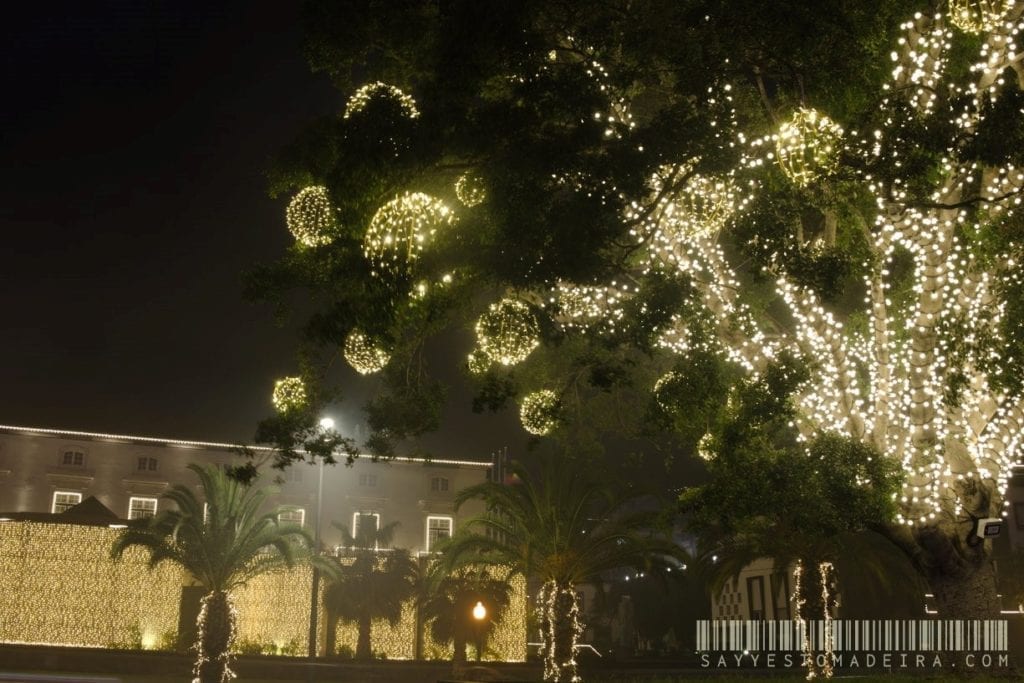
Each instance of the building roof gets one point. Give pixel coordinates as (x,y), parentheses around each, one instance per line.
(183,443)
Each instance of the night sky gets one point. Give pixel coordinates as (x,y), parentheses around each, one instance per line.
(135,136)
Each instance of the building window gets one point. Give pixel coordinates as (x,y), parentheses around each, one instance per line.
(368,480)
(438,529)
(73,459)
(365,523)
(439,483)
(140,508)
(292,515)
(62,500)
(147,465)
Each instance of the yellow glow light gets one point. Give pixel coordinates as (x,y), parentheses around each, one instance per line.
(401,229)
(364,95)
(977,16)
(363,355)
(539,412)
(470,189)
(478,362)
(310,217)
(289,394)
(808,146)
(507,332)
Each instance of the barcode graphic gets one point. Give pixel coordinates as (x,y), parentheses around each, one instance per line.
(854,635)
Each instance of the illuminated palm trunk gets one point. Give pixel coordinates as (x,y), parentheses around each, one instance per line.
(558,615)
(216,635)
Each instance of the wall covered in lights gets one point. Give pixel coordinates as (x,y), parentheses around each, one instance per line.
(59,586)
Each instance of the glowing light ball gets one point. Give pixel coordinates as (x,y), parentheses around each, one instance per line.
(977,16)
(470,189)
(363,355)
(665,384)
(478,362)
(705,448)
(539,412)
(807,146)
(706,203)
(507,332)
(371,91)
(310,217)
(401,229)
(289,394)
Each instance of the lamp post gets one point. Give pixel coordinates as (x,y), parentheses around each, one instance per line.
(479,613)
(325,424)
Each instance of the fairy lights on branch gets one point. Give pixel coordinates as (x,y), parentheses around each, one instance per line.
(362,98)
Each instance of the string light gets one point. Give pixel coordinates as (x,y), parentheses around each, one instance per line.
(371,91)
(401,229)
(478,362)
(539,412)
(978,16)
(289,394)
(808,146)
(363,355)
(470,189)
(558,666)
(663,386)
(508,332)
(825,570)
(311,218)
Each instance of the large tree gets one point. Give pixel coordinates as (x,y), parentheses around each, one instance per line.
(223,539)
(614,192)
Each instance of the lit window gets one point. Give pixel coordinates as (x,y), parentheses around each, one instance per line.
(147,465)
(365,523)
(439,484)
(139,508)
(438,529)
(367,479)
(73,459)
(62,500)
(292,515)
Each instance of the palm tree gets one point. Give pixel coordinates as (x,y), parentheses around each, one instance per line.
(222,546)
(365,584)
(449,600)
(563,527)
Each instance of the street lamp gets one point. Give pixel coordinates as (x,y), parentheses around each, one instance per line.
(479,613)
(326,424)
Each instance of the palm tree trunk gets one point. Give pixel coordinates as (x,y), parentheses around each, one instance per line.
(330,632)
(558,615)
(216,625)
(363,649)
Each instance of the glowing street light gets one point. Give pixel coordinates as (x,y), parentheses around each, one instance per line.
(326,424)
(479,613)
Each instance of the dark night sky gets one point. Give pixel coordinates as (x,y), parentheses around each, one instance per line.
(134,138)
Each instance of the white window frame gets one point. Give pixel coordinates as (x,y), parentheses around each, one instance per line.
(285,509)
(76,494)
(131,505)
(355,529)
(451,528)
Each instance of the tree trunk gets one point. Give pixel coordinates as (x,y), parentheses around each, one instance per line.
(363,646)
(216,625)
(330,632)
(558,616)
(969,594)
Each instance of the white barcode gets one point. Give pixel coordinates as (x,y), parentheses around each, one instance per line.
(854,635)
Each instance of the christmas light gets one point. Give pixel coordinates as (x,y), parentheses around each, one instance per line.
(663,387)
(508,332)
(478,362)
(539,412)
(363,355)
(311,218)
(470,189)
(978,16)
(367,93)
(808,146)
(289,394)
(401,229)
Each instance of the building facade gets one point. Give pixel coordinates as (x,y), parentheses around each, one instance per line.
(51,470)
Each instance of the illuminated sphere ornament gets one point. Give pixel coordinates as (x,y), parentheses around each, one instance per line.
(663,389)
(539,412)
(311,218)
(478,362)
(401,229)
(289,394)
(363,355)
(705,448)
(808,146)
(507,332)
(372,91)
(977,16)
(470,189)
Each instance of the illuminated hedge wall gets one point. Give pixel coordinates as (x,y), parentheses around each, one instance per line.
(59,586)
